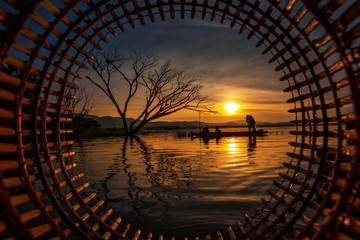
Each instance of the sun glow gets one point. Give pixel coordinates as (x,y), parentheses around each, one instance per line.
(231,107)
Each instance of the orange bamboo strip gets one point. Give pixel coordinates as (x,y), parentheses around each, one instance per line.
(61,81)
(93,209)
(216,6)
(40,230)
(226,11)
(6,114)
(149,236)
(127,228)
(160,237)
(28,216)
(113,226)
(8,147)
(7,165)
(12,182)
(231,233)
(6,131)
(4,17)
(3,227)
(103,218)
(19,64)
(79,189)
(241,228)
(49,6)
(19,199)
(219,236)
(136,235)
(87,199)
(14,81)
(249,220)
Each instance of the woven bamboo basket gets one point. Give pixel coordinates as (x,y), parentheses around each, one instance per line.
(315,44)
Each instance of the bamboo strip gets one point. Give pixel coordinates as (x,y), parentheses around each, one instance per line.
(103,218)
(241,228)
(11,182)
(8,165)
(161,9)
(149,9)
(149,236)
(203,14)
(127,228)
(160,237)
(87,199)
(50,7)
(18,199)
(128,16)
(136,235)
(6,114)
(298,85)
(79,189)
(9,79)
(113,14)
(305,109)
(102,18)
(136,9)
(3,227)
(231,233)
(40,230)
(216,6)
(219,236)
(30,215)
(249,220)
(284,188)
(113,226)
(93,209)
(193,9)
(172,10)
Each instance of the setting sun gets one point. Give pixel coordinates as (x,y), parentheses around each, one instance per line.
(231,107)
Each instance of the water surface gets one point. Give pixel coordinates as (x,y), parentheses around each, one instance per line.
(162,183)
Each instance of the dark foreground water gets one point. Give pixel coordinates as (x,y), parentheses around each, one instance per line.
(162,183)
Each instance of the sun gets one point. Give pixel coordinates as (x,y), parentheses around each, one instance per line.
(231,107)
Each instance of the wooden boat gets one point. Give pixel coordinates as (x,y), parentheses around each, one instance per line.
(260,132)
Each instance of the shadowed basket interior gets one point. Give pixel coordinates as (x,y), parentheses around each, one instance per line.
(315,44)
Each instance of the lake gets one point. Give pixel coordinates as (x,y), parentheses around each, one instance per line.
(168,184)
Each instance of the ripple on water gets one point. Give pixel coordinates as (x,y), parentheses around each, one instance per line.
(175,186)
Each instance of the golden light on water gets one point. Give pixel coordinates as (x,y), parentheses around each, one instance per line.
(231,107)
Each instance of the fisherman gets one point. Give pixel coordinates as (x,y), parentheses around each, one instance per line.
(205,129)
(217,130)
(251,122)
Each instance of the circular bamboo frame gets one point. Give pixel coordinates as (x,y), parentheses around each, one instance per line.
(314,43)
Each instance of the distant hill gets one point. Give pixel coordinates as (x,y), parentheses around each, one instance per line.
(116,122)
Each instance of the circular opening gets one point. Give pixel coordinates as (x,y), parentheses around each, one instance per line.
(318,56)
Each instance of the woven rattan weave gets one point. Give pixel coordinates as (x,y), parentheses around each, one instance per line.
(45,44)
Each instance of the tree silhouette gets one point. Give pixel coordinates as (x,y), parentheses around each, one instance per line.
(166,89)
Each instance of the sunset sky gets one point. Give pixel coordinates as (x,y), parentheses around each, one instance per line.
(228,65)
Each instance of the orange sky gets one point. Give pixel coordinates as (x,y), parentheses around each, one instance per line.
(229,67)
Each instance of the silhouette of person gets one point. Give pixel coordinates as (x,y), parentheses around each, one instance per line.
(251,122)
(205,129)
(217,130)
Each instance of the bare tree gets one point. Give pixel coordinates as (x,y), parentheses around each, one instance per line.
(167,90)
